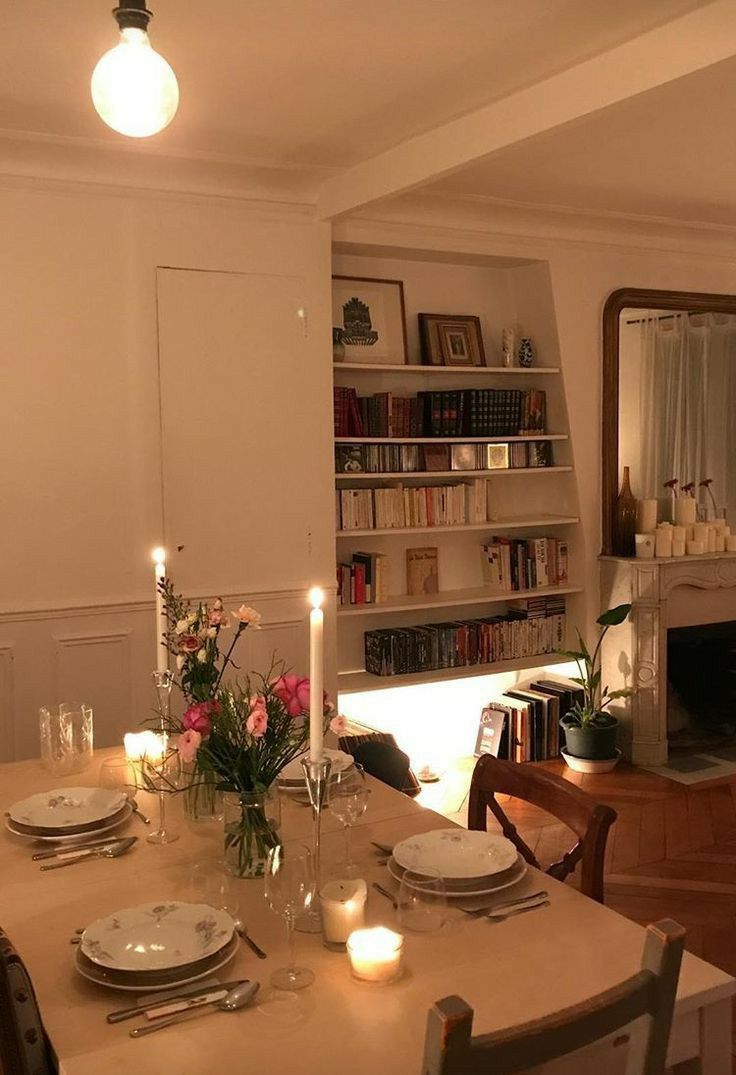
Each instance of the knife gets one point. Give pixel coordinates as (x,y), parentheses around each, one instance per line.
(78,847)
(184,995)
(111,851)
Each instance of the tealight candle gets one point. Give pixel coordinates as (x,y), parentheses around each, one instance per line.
(375,954)
(343,909)
(148,745)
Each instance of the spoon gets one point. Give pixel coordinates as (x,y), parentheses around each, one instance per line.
(112,851)
(237,998)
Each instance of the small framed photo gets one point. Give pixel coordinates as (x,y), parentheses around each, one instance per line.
(451,340)
(463,457)
(370,316)
(497,457)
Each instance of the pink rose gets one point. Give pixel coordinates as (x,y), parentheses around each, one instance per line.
(293,691)
(217,618)
(189,643)
(198,717)
(257,721)
(248,617)
(338,725)
(188,744)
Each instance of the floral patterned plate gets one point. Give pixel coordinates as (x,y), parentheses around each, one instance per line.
(70,835)
(157,936)
(65,808)
(458,890)
(456,853)
(293,774)
(155,981)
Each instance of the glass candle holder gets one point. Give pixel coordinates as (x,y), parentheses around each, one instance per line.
(376,955)
(343,911)
(67,738)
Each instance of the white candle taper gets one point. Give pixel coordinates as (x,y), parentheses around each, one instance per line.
(162,654)
(316,674)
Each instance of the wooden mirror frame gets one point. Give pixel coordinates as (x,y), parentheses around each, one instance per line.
(641,299)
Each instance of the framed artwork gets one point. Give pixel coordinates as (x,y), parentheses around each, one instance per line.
(451,340)
(370,316)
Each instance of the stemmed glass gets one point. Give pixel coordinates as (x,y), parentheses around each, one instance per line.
(422,902)
(348,798)
(161,771)
(290,891)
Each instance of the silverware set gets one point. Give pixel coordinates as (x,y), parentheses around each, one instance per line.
(110,849)
(497,912)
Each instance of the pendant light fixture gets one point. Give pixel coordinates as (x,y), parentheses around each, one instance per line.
(133,88)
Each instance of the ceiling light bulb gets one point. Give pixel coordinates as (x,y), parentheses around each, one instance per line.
(133,88)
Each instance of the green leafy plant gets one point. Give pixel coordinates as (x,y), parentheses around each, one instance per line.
(591,711)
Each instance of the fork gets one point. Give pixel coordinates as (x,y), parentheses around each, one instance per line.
(493,917)
(385,892)
(478,912)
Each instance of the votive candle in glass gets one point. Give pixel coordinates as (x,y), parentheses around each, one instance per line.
(375,954)
(343,909)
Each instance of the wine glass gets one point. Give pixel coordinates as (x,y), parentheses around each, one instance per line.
(422,902)
(348,793)
(290,891)
(161,772)
(118,774)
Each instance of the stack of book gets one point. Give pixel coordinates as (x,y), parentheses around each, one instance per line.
(403,507)
(482,412)
(408,458)
(524,723)
(530,630)
(524,563)
(363,580)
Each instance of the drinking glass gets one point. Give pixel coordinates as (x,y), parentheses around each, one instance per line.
(290,891)
(118,774)
(161,772)
(422,902)
(347,795)
(67,738)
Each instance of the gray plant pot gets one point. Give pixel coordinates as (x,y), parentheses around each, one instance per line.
(591,742)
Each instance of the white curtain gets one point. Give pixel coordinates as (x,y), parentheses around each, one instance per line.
(688,403)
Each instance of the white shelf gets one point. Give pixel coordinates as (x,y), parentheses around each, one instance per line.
(513,522)
(356,682)
(462,371)
(451,440)
(396,475)
(452,598)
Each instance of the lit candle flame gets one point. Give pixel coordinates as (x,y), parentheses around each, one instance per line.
(316,597)
(159,555)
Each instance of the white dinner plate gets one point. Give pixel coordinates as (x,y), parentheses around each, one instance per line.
(68,836)
(457,853)
(157,936)
(511,877)
(65,808)
(294,774)
(132,982)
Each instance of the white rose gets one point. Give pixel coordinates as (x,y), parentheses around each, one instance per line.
(212,632)
(191,618)
(202,655)
(181,626)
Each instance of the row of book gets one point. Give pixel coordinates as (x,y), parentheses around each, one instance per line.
(400,507)
(410,458)
(524,723)
(511,564)
(534,629)
(474,412)
(364,580)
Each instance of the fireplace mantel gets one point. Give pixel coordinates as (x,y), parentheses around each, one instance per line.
(665,593)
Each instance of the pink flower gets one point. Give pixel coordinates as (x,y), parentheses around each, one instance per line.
(257,721)
(189,643)
(198,717)
(188,744)
(248,617)
(293,691)
(217,618)
(338,725)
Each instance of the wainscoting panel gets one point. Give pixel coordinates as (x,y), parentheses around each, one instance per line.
(95,669)
(7,680)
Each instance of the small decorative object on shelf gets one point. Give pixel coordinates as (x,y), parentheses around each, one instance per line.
(525,353)
(591,732)
(625,518)
(422,571)
(508,346)
(338,347)
(451,340)
(370,316)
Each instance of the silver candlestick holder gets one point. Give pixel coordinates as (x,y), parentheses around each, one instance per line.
(316,775)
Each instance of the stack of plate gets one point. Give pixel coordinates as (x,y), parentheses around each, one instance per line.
(470,863)
(66,814)
(156,946)
(291,777)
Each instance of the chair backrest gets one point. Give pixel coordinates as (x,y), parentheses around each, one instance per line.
(382,758)
(648,996)
(24,1048)
(589,820)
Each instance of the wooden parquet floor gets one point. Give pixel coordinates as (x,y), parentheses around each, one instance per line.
(670,854)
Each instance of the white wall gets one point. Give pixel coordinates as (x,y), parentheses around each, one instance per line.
(81,475)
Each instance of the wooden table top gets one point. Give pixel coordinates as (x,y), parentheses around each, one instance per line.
(508,971)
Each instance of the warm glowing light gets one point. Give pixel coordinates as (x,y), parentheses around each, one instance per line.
(159,555)
(134,90)
(375,954)
(316,597)
(148,745)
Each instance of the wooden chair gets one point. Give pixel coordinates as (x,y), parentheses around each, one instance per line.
(24,1048)
(380,756)
(648,996)
(589,820)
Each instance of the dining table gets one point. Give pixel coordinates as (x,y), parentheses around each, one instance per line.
(509,971)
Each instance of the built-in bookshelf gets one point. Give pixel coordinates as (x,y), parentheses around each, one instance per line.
(540,503)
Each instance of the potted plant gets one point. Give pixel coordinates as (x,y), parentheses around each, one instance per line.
(590,731)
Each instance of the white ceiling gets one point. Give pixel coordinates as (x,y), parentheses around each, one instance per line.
(316,86)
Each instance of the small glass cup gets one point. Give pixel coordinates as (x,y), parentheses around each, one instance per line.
(67,738)
(376,955)
(422,902)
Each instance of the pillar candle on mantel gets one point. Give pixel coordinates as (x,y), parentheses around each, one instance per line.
(162,654)
(316,674)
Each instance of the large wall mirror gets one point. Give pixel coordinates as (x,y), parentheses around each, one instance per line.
(669,399)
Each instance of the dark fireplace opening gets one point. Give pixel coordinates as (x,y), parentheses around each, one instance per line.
(701,687)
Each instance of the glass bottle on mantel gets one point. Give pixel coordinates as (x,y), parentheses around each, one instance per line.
(625,518)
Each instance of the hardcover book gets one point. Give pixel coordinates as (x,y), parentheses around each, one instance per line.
(422,571)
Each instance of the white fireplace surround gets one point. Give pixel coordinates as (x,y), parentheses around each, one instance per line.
(665,593)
